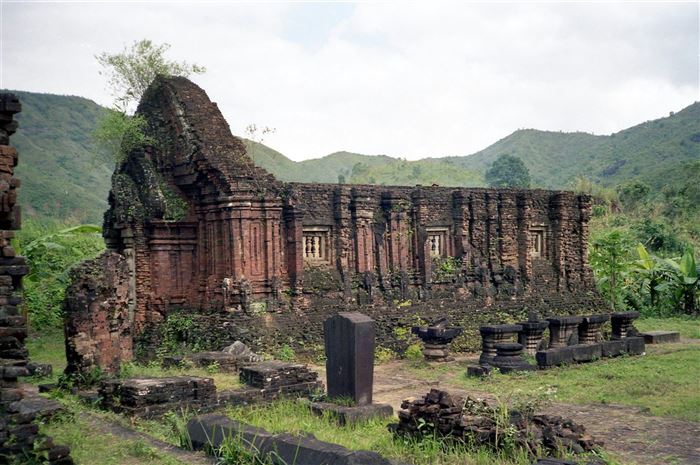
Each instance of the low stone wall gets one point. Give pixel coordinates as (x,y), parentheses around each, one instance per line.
(581,353)
(209,432)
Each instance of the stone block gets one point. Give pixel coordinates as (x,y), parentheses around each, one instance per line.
(554,357)
(661,337)
(478,371)
(586,352)
(346,415)
(612,348)
(634,345)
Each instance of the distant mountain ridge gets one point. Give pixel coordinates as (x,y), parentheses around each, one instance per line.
(65,175)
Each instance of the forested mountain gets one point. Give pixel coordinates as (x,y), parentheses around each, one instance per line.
(65,175)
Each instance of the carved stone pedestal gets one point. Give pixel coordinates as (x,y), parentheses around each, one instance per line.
(436,338)
(492,335)
(531,335)
(589,329)
(622,323)
(509,358)
(561,328)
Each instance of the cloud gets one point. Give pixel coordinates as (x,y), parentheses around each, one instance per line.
(409,80)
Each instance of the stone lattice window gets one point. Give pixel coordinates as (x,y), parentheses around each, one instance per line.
(316,244)
(437,242)
(537,241)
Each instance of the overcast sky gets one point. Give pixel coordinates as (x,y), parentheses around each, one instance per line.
(403,79)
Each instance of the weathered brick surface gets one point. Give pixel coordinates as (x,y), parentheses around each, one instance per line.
(201,227)
(20,440)
(97,324)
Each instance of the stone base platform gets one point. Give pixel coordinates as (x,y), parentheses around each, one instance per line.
(346,415)
(661,337)
(151,397)
(582,353)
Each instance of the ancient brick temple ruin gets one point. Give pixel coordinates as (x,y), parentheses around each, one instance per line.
(195,226)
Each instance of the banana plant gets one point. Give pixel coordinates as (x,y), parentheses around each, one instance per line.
(684,282)
(650,272)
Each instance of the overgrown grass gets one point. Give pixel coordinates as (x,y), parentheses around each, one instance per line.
(664,382)
(48,347)
(296,418)
(688,327)
(89,445)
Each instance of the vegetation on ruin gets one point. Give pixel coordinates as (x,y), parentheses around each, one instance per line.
(129,73)
(52,249)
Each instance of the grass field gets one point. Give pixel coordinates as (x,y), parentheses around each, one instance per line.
(663,383)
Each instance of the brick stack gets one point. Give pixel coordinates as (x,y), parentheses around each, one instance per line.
(19,435)
(275,374)
(151,397)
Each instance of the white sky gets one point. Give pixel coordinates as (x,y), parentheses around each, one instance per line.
(404,79)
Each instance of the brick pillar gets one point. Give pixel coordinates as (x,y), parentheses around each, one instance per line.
(294,247)
(524,206)
(424,263)
(363,215)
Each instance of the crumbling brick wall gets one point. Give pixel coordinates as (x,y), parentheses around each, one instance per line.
(202,228)
(20,440)
(98,324)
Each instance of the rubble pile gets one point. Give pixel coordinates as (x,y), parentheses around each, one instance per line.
(275,374)
(477,422)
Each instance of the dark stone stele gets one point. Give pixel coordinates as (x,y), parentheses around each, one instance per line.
(349,343)
(208,432)
(350,369)
(661,337)
(509,358)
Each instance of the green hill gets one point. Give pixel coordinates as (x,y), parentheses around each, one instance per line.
(555,159)
(65,176)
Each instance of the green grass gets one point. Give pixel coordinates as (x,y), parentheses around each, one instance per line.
(90,446)
(48,347)
(687,326)
(663,382)
(296,418)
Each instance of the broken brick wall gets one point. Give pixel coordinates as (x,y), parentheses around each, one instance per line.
(20,440)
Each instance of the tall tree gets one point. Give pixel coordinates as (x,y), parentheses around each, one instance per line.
(129,73)
(508,171)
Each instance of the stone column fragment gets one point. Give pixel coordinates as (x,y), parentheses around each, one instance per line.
(531,335)
(492,335)
(561,328)
(589,329)
(622,323)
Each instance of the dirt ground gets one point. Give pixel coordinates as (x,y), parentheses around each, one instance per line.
(634,436)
